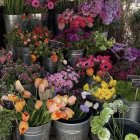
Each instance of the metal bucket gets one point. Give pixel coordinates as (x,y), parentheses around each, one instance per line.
(73,56)
(77,131)
(37,133)
(134,111)
(26,55)
(10,21)
(50,66)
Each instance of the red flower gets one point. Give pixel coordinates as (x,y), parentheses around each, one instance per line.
(23,17)
(106,66)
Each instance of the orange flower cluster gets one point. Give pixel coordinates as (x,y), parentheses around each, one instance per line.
(57,106)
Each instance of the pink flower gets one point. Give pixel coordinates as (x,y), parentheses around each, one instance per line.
(106,66)
(25,42)
(71,100)
(69,113)
(2,60)
(35,3)
(50,5)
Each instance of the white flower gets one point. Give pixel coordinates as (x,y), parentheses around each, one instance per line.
(88,104)
(96,105)
(18,86)
(4,98)
(65,62)
(84,94)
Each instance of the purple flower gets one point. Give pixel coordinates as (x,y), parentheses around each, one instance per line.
(74,37)
(84,108)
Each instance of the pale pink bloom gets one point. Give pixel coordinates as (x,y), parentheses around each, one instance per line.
(41,88)
(53,107)
(25,42)
(71,100)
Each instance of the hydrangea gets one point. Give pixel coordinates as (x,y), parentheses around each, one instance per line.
(131,137)
(104,134)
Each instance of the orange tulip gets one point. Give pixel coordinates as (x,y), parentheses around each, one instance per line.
(46,40)
(12,98)
(41,87)
(37,82)
(69,113)
(27,94)
(25,116)
(49,103)
(33,58)
(45,82)
(38,104)
(58,115)
(54,58)
(23,127)
(18,106)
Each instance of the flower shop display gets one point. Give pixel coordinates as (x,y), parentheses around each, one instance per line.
(13,71)
(32,114)
(63,80)
(116,128)
(71,113)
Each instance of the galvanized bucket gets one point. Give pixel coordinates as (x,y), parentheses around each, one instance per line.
(77,131)
(26,55)
(50,66)
(37,133)
(134,111)
(73,56)
(10,21)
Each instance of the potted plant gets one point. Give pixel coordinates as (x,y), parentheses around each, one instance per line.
(71,114)
(19,71)
(7,118)
(32,114)
(105,126)
(131,97)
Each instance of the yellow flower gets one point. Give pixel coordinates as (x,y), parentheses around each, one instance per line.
(97,78)
(108,95)
(113,90)
(86,87)
(112,83)
(104,85)
(12,98)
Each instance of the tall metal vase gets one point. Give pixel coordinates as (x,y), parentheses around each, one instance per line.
(10,21)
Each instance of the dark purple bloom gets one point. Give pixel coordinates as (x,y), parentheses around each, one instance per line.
(74,37)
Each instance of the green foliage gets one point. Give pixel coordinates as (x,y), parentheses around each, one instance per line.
(14,7)
(6,122)
(125,89)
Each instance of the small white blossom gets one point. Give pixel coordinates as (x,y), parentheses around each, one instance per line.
(88,104)
(96,105)
(65,62)
(84,94)
(4,98)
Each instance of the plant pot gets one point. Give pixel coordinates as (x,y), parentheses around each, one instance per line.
(26,55)
(30,88)
(51,67)
(73,56)
(10,21)
(134,111)
(129,127)
(37,133)
(72,131)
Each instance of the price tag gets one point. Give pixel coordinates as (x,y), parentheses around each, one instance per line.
(131,77)
(55,44)
(136,83)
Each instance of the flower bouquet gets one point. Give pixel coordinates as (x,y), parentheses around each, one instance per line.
(32,113)
(105,126)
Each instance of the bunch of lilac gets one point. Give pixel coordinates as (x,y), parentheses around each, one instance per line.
(5,56)
(129,54)
(13,71)
(64,79)
(108,10)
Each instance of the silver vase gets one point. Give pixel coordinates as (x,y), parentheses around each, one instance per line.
(37,133)
(10,21)
(77,131)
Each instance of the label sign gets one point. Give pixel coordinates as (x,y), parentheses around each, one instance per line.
(136,83)
(55,44)
(131,77)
